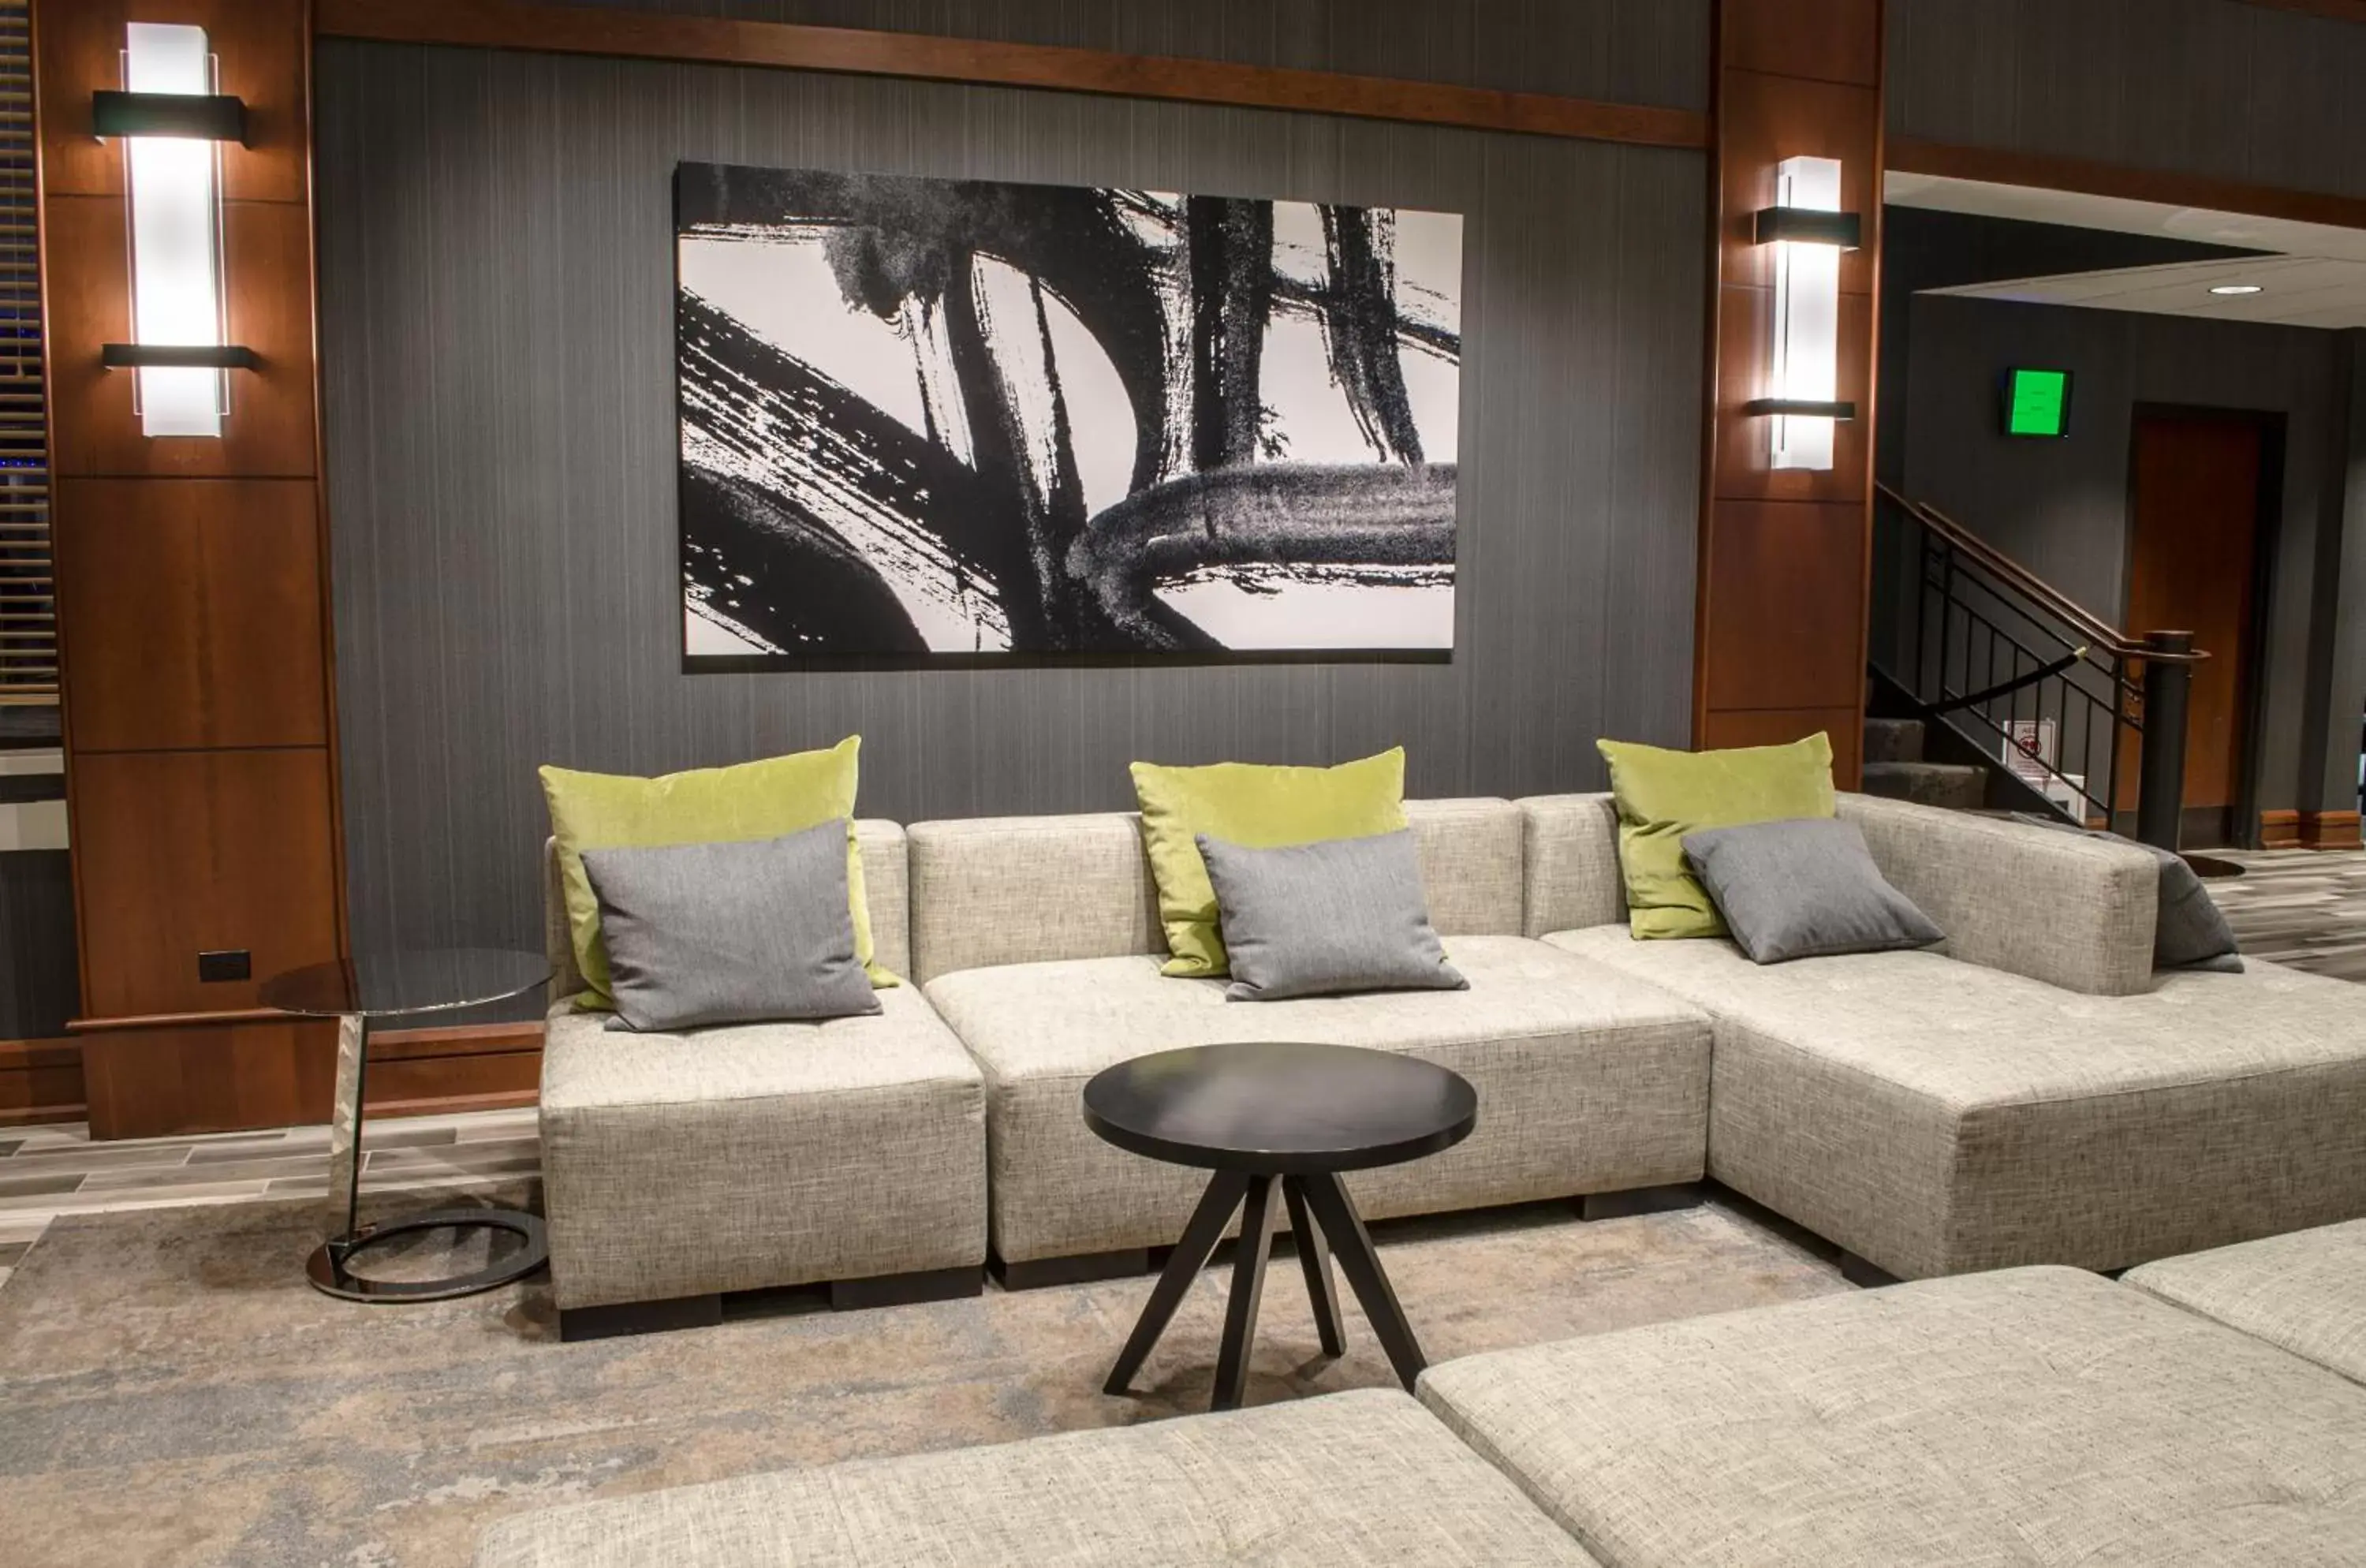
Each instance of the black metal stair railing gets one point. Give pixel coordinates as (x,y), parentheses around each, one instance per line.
(2049,690)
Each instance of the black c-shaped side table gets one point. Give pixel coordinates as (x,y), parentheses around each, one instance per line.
(1286,1115)
(401,984)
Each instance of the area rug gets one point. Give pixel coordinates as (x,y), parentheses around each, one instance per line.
(172,1393)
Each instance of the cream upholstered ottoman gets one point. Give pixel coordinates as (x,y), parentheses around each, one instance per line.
(678,1167)
(2037,1417)
(1344,1482)
(2304,1293)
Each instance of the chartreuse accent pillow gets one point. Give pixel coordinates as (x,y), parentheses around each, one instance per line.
(1260,807)
(767,799)
(1664,795)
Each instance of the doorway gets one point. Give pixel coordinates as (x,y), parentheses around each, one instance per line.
(2200,496)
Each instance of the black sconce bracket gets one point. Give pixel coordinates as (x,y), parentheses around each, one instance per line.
(177,356)
(1805,226)
(1801,406)
(204,117)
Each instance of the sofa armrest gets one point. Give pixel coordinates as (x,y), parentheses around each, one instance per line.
(2069,910)
(1572,849)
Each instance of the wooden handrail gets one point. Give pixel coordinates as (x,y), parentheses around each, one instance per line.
(2088,625)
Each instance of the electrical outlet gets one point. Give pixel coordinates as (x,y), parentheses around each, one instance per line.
(229,964)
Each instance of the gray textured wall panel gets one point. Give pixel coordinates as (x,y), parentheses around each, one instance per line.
(2061,507)
(2214,87)
(41,984)
(498,363)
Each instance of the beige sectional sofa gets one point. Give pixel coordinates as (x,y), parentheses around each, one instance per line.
(2030,1094)
(2040,1417)
(2033,1093)
(1037,940)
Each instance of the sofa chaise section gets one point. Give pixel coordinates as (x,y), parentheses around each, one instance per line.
(1342,1481)
(677,1167)
(1937,1115)
(2304,1293)
(2039,1416)
(1040,944)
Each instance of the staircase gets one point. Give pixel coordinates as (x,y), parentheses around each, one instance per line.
(1895,766)
(1989,689)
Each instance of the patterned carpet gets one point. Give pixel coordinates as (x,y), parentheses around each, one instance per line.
(173,1392)
(2304,908)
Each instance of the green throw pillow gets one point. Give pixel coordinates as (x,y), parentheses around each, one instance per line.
(1664,795)
(768,799)
(1259,807)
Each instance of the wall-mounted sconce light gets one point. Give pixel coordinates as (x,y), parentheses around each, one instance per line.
(171,119)
(1809,231)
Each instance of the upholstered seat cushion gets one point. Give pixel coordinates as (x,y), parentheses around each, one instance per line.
(2306,1291)
(1587,1081)
(2035,1418)
(1342,1481)
(1938,1117)
(769,1154)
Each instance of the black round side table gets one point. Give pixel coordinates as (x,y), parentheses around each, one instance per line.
(401,984)
(1286,1115)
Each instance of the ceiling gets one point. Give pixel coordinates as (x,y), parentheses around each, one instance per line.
(2316,277)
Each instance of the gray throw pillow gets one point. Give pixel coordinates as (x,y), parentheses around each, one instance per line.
(701,934)
(1804,889)
(1313,919)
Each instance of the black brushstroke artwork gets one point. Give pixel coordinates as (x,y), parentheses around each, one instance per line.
(962,419)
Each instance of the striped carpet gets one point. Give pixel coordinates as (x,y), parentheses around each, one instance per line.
(2304,908)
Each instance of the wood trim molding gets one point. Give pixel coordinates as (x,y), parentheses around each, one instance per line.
(2332,10)
(652,35)
(456,1040)
(1996,166)
(2280,830)
(176,1019)
(2330,831)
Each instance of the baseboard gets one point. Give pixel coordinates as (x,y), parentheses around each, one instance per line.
(413,1072)
(2280,830)
(40,1081)
(2330,831)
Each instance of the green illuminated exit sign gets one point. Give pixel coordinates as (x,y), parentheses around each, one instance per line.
(2037,402)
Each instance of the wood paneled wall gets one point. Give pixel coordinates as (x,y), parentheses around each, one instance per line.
(192,599)
(1784,555)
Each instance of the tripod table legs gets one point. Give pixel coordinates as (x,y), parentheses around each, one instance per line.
(1327,1226)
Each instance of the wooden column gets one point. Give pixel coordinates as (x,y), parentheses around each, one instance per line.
(192,604)
(1785,553)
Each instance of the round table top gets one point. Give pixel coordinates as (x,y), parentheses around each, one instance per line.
(1281,1109)
(397,982)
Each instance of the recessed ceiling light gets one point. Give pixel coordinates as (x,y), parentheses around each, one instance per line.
(2235,289)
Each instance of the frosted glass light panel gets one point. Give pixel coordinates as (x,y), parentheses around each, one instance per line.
(1807,317)
(175,249)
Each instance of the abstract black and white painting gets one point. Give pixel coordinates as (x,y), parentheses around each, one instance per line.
(961,419)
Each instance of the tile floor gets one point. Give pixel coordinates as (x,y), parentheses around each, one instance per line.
(2304,908)
(48,1171)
